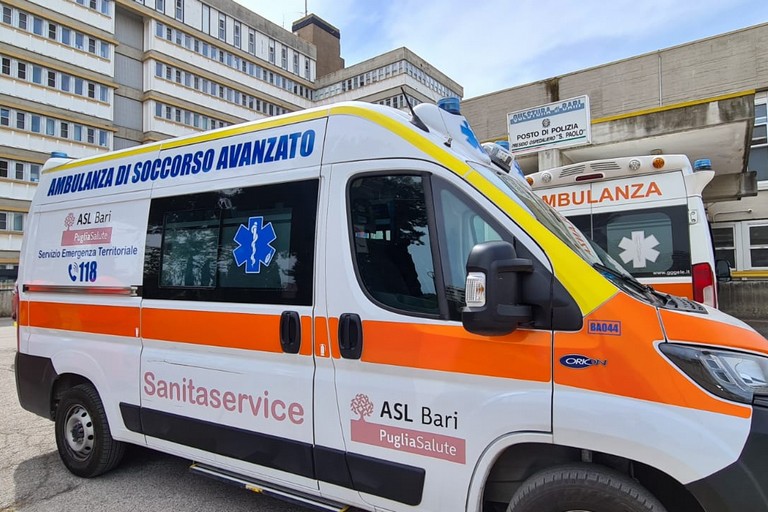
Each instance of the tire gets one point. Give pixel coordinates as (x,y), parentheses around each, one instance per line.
(582,488)
(83,437)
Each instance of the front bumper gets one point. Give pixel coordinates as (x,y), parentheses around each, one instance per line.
(742,486)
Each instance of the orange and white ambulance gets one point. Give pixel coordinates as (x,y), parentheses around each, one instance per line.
(646,212)
(351,305)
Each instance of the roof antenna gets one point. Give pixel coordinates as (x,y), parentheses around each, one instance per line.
(416,120)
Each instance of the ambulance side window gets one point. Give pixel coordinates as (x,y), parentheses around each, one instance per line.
(461,226)
(391,242)
(250,245)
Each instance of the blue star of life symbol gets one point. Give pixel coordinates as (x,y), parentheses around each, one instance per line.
(466,130)
(254,245)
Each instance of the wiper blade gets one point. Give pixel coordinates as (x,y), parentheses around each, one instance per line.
(644,288)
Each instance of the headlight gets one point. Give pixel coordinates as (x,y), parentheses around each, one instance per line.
(731,375)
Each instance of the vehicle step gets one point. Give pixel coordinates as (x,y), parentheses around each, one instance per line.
(266,489)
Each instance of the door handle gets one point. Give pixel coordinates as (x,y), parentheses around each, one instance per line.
(290,332)
(350,336)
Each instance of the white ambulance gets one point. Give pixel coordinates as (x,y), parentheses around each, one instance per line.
(646,212)
(355,306)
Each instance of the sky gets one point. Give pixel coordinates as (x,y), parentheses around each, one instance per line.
(490,45)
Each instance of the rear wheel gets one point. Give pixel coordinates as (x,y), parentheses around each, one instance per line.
(83,437)
(582,488)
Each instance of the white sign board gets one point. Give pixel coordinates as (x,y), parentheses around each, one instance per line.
(555,125)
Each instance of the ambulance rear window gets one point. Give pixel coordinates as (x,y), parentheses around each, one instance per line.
(648,242)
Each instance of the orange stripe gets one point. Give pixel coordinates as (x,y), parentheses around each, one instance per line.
(634,368)
(702,329)
(218,329)
(524,354)
(677,289)
(96,319)
(23,313)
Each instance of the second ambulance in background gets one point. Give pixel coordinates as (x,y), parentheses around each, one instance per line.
(646,212)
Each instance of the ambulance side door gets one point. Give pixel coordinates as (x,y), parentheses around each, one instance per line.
(419,397)
(227,366)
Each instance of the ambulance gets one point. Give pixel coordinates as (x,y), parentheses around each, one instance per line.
(356,306)
(646,212)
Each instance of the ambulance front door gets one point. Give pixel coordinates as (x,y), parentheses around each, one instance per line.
(419,397)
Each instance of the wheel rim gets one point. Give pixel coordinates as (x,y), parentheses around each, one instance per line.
(78,432)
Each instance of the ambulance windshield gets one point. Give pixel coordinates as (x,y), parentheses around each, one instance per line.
(561,227)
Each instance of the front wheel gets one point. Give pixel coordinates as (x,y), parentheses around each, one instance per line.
(582,488)
(83,437)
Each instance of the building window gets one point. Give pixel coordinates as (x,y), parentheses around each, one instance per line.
(758,153)
(222,26)
(20,120)
(51,79)
(5,117)
(251,42)
(236,34)
(34,172)
(724,241)
(19,171)
(271,51)
(160,5)
(758,245)
(206,19)
(3,168)
(7,15)
(37,26)
(52,29)
(6,66)
(284,58)
(22,24)
(179,13)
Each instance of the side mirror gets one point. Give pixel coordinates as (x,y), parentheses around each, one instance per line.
(493,290)
(723,270)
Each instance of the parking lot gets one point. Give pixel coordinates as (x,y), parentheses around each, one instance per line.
(33,479)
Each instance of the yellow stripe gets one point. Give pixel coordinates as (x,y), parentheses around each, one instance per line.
(745,274)
(674,106)
(222,133)
(239,129)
